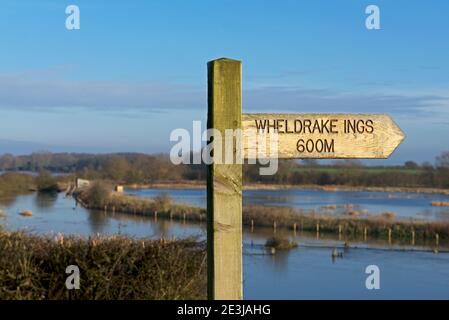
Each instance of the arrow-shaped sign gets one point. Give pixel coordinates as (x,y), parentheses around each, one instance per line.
(322,135)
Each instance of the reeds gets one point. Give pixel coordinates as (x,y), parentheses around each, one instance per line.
(33,267)
(347,222)
(374,226)
(162,207)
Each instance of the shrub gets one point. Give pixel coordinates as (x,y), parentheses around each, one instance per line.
(163,202)
(280,243)
(98,194)
(33,267)
(45,182)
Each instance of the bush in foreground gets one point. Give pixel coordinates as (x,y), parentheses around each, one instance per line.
(33,267)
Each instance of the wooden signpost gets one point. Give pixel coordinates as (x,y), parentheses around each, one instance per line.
(299,136)
(331,136)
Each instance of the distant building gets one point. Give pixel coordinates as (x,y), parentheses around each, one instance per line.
(119,188)
(81,183)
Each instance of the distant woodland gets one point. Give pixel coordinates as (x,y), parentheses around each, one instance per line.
(134,168)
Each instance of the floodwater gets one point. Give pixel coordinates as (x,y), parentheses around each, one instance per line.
(306,272)
(404,205)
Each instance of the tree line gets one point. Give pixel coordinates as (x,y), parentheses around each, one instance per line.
(142,168)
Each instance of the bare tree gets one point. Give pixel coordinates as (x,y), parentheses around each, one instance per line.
(442,161)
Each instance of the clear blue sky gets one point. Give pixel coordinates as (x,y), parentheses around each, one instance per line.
(137,69)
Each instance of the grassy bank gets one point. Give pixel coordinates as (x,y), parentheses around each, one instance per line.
(12,184)
(100,198)
(33,267)
(15,183)
(267,186)
(345,221)
(373,226)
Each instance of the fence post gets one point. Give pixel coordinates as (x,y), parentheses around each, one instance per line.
(389,235)
(224,185)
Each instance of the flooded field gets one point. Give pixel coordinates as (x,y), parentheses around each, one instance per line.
(404,205)
(306,272)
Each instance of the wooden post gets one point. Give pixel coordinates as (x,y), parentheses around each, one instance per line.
(437,239)
(274,226)
(294,229)
(252,225)
(389,235)
(413,237)
(224,185)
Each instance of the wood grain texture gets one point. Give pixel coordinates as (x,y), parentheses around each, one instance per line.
(379,143)
(224,186)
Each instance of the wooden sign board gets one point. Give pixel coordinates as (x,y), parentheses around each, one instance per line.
(299,136)
(332,136)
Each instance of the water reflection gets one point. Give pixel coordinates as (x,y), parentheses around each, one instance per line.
(280,260)
(7,201)
(97,220)
(46,200)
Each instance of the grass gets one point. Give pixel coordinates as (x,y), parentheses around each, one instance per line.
(162,205)
(12,184)
(33,267)
(368,170)
(376,226)
(440,204)
(349,223)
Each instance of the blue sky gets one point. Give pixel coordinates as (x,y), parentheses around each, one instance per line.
(137,69)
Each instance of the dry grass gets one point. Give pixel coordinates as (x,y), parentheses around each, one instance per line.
(12,184)
(350,221)
(376,226)
(33,267)
(440,204)
(26,213)
(162,205)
